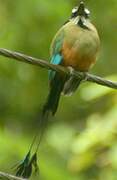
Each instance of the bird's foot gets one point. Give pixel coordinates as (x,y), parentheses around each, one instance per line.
(85,76)
(71,70)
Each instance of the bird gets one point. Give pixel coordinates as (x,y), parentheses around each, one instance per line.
(75,46)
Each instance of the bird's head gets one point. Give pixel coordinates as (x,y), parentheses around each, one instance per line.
(80,15)
(80,11)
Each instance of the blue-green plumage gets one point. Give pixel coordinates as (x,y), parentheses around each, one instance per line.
(56,88)
(56,82)
(56,59)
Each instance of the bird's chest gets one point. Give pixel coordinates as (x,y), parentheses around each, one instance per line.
(80,49)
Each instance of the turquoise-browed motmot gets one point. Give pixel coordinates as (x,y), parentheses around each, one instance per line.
(75,45)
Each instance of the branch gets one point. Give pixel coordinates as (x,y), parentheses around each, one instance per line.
(9,176)
(58,68)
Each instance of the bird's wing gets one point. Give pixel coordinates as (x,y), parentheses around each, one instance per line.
(56,48)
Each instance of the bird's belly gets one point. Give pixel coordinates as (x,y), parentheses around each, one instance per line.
(81,54)
(81,62)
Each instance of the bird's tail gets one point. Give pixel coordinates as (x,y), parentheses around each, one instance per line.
(24,169)
(71,85)
(54,95)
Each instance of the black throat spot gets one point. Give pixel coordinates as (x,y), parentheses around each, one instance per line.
(82,24)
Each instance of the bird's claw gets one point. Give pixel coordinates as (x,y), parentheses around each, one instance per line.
(85,77)
(71,70)
(72,73)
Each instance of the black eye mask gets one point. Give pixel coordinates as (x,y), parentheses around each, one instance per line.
(74,12)
(82,24)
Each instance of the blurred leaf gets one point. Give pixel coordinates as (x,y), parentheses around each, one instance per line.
(94,91)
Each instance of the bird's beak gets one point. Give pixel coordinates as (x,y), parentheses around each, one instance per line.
(81,9)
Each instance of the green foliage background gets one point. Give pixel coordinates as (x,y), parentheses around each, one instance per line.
(81,140)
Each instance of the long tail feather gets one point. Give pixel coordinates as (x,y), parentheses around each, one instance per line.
(25,168)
